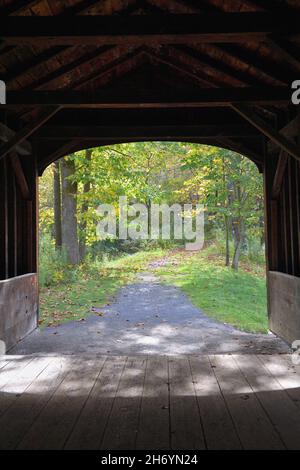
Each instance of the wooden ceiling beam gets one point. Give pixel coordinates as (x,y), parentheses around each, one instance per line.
(69,67)
(123,98)
(20,176)
(95,132)
(279,174)
(145,29)
(60,151)
(195,59)
(28,130)
(6,134)
(280,140)
(17,7)
(201,78)
(286,50)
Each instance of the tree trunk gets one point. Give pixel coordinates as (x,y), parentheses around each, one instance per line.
(238,243)
(57,205)
(69,208)
(84,209)
(227,254)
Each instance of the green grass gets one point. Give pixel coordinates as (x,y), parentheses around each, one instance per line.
(236,298)
(94,286)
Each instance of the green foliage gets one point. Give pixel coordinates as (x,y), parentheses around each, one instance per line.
(236,298)
(229,186)
(54,268)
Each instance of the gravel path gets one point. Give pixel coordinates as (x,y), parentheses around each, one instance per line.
(148,318)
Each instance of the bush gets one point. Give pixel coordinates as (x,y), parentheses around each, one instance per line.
(53,265)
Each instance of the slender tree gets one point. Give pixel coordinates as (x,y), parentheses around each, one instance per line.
(57,205)
(69,209)
(84,207)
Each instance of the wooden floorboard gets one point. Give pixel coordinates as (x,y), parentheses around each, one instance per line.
(155,402)
(122,426)
(53,425)
(252,423)
(219,428)
(185,421)
(154,422)
(89,429)
(282,411)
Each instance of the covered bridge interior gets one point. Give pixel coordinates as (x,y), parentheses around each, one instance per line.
(84,73)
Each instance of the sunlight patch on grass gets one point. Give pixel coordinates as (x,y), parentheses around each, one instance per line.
(236,298)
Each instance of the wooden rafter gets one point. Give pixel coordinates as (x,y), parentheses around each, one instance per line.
(69,67)
(239,147)
(60,151)
(285,49)
(196,60)
(97,133)
(28,130)
(201,78)
(6,134)
(133,30)
(17,7)
(20,176)
(120,97)
(266,69)
(279,139)
(290,131)
(128,59)
(279,174)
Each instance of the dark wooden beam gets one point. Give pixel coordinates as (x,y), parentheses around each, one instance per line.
(6,134)
(290,131)
(280,140)
(20,177)
(67,68)
(265,68)
(28,130)
(122,98)
(60,151)
(100,30)
(242,149)
(197,60)
(200,78)
(286,50)
(29,66)
(17,7)
(97,133)
(279,174)
(126,61)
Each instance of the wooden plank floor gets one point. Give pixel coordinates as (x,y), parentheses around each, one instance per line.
(196,402)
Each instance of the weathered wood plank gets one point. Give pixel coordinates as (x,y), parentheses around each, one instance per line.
(276,137)
(282,411)
(18,418)
(280,170)
(252,423)
(59,416)
(286,373)
(122,427)
(219,429)
(132,30)
(154,418)
(28,130)
(186,426)
(89,429)
(19,382)
(20,177)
